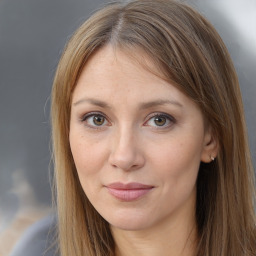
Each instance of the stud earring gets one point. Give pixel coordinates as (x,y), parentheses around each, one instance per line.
(212,158)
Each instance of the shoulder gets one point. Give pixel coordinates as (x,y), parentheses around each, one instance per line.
(38,239)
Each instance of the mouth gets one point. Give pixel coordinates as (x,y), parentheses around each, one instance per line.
(128,192)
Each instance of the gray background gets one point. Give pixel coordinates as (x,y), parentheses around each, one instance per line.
(32,36)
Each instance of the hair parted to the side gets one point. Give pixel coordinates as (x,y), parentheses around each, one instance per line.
(191,55)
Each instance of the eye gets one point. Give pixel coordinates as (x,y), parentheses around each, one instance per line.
(98,120)
(160,120)
(94,120)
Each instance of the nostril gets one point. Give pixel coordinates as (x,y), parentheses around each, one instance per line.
(125,153)
(126,161)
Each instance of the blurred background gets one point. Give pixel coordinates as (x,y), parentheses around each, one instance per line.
(32,36)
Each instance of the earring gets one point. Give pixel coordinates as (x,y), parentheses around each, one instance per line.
(212,158)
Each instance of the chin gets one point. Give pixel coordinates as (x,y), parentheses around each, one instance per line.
(128,221)
(129,226)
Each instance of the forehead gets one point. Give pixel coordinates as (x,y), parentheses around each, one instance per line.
(113,80)
(112,70)
(133,55)
(125,55)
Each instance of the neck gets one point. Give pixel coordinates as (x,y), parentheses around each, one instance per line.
(168,238)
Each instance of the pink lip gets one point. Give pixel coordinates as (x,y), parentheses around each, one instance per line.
(128,192)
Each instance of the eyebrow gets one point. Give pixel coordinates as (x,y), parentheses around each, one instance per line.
(93,102)
(143,105)
(159,102)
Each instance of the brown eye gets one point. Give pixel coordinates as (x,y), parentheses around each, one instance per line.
(94,120)
(160,120)
(98,120)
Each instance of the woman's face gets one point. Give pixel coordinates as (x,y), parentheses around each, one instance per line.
(137,142)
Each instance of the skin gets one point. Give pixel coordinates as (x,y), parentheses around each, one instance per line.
(129,143)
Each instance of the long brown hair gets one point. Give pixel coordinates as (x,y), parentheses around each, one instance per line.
(190,54)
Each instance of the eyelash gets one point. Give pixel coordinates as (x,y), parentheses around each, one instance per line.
(85,118)
(168,118)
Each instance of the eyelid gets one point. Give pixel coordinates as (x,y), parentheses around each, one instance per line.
(93,113)
(84,117)
(156,114)
(169,117)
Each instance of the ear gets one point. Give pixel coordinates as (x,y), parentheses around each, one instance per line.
(210,147)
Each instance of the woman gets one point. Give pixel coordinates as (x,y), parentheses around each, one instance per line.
(149,138)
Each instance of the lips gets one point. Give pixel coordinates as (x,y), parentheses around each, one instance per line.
(128,192)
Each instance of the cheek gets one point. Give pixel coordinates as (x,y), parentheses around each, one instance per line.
(89,161)
(176,169)
(178,160)
(88,157)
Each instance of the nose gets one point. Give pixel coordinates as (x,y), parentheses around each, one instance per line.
(126,152)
